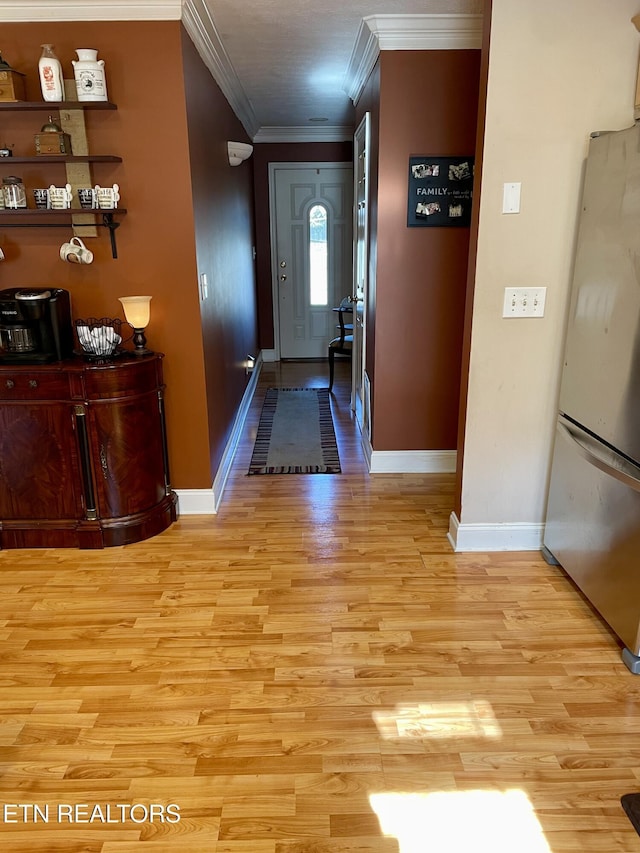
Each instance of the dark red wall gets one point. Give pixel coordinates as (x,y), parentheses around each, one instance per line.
(281,152)
(224,238)
(428,104)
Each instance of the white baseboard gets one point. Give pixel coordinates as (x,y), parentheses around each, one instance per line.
(268,355)
(412,461)
(207,501)
(494,537)
(195,502)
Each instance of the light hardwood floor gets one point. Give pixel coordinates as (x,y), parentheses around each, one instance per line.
(306,667)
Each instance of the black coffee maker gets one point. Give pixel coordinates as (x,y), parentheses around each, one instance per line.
(35,325)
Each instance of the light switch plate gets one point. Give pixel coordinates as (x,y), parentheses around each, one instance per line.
(524,301)
(511,198)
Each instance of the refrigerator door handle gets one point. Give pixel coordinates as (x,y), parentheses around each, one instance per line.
(626,473)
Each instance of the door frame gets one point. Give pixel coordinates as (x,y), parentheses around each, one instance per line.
(273,167)
(360,390)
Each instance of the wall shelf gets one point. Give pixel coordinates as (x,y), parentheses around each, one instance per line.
(63,219)
(83,221)
(61,158)
(52,106)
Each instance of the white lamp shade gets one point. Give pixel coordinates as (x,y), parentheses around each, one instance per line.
(137,310)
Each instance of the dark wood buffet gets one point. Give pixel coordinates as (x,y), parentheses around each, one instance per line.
(83,453)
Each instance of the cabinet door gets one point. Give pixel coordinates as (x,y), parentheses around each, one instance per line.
(39,475)
(127,452)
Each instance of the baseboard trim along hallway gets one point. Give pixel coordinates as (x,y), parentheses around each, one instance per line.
(207,501)
(494,537)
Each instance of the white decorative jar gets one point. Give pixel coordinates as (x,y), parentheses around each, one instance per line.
(88,70)
(50,71)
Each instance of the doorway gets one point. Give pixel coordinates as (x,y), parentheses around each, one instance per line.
(312,253)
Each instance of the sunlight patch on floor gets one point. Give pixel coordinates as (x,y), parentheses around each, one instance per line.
(461,821)
(438,720)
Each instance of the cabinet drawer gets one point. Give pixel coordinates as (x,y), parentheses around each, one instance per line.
(33,385)
(122,379)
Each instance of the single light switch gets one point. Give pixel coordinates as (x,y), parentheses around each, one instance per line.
(511,198)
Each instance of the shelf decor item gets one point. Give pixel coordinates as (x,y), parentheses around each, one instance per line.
(11,83)
(137,310)
(14,192)
(50,71)
(99,338)
(52,140)
(88,71)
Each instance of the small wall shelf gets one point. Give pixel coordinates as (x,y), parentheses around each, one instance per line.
(52,106)
(63,218)
(62,159)
(78,172)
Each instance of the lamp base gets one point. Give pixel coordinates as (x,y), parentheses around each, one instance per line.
(139,343)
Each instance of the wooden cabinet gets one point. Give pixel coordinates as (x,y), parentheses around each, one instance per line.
(83,457)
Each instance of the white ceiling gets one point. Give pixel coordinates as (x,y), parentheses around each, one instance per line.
(281,63)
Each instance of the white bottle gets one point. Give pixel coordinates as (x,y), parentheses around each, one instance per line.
(51,79)
(89,73)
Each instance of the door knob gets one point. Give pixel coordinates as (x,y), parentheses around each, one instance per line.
(283,278)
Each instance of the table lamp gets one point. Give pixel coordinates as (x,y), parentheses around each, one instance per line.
(137,310)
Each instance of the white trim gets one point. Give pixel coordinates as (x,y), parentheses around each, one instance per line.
(426,32)
(95,10)
(322,133)
(226,462)
(494,537)
(412,462)
(199,25)
(195,502)
(207,501)
(268,355)
(363,59)
(407,32)
(365,441)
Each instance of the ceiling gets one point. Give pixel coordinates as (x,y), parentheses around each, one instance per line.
(282,63)
(294,58)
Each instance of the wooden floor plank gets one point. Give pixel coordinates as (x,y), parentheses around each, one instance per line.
(274,669)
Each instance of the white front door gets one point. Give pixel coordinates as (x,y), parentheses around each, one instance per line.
(312,212)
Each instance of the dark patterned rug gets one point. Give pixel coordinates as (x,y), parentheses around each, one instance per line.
(296,434)
(631,805)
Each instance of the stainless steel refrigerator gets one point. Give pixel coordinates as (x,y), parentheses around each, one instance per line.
(593,518)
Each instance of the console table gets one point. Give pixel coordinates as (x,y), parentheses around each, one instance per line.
(83,453)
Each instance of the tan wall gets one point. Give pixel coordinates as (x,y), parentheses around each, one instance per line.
(557,71)
(156,242)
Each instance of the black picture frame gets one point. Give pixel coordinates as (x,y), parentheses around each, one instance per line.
(440,191)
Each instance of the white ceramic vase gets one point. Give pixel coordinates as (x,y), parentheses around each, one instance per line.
(50,71)
(88,71)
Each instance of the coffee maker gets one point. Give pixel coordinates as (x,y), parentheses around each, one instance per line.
(35,325)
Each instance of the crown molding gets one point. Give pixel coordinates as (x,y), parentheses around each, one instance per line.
(332,133)
(203,33)
(90,10)
(407,32)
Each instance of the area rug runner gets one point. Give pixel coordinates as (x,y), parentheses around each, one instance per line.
(631,805)
(295,434)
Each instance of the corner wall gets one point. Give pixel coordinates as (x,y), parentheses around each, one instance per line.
(557,71)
